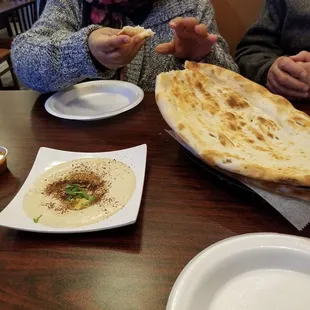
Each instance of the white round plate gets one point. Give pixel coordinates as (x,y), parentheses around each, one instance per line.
(94,100)
(249,272)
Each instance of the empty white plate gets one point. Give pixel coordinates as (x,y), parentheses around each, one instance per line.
(13,216)
(94,100)
(249,272)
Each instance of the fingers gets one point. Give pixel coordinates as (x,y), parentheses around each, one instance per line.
(302,56)
(122,56)
(182,23)
(113,51)
(278,89)
(137,39)
(202,30)
(115,57)
(290,66)
(109,44)
(306,66)
(166,48)
(287,81)
(212,38)
(138,44)
(110,31)
(192,40)
(184,26)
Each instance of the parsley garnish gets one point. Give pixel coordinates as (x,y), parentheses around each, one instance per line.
(76,191)
(36,219)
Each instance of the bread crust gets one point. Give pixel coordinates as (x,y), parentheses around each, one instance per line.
(236,125)
(137,31)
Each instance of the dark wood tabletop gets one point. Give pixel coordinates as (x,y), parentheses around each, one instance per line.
(7,7)
(184,210)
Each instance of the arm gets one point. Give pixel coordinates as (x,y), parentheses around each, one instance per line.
(261,44)
(219,54)
(54,53)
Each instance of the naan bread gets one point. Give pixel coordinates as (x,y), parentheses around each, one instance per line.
(235,124)
(301,192)
(140,31)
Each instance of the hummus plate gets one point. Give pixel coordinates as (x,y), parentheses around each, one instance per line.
(60,197)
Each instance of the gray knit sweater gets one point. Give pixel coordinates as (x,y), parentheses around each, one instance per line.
(54,53)
(283,29)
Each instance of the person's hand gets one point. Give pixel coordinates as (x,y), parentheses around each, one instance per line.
(191,40)
(303,56)
(284,78)
(111,50)
(306,80)
(303,59)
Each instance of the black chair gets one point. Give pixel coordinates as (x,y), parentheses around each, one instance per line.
(41,6)
(16,22)
(22,18)
(5,57)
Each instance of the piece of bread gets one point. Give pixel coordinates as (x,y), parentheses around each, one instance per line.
(140,31)
(236,125)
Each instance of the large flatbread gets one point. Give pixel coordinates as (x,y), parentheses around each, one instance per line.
(139,31)
(299,192)
(235,124)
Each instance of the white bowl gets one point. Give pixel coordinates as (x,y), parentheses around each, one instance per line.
(249,272)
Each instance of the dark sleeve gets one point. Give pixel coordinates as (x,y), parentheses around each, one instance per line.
(261,45)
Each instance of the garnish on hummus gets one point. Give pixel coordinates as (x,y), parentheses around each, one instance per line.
(77,191)
(80,192)
(36,219)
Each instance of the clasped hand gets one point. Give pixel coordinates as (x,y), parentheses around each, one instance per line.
(290,76)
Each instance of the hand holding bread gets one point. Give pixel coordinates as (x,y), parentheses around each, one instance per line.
(113,50)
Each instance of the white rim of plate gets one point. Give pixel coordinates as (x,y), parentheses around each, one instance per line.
(238,243)
(126,216)
(5,150)
(49,108)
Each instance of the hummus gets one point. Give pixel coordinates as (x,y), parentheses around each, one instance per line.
(80,192)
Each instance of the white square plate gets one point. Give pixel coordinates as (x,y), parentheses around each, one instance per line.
(13,216)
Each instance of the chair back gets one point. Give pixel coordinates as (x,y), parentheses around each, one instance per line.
(22,19)
(234,17)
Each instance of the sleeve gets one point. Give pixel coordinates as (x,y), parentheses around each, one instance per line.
(54,53)
(261,45)
(219,54)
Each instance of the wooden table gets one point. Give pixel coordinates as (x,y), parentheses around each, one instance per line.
(183,211)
